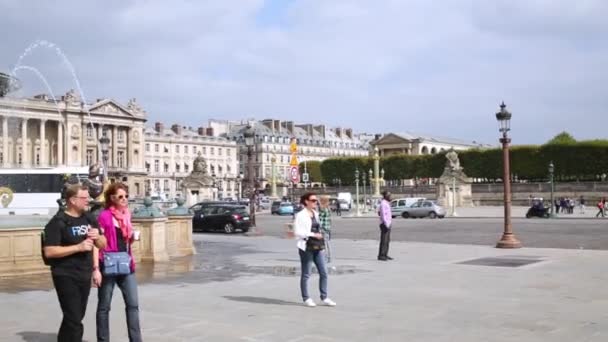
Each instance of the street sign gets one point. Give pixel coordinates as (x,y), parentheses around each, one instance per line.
(294,173)
(305,177)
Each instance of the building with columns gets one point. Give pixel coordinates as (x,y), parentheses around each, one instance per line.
(39,134)
(416,144)
(170,152)
(272,139)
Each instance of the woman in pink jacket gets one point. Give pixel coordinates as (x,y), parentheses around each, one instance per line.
(115,221)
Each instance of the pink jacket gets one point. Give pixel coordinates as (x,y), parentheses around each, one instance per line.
(107,224)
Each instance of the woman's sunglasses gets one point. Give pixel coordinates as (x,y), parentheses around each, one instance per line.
(121,197)
(314,200)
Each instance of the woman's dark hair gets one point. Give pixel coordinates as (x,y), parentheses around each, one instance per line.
(112,190)
(306,197)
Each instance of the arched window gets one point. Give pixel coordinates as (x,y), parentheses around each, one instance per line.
(433,150)
(425,150)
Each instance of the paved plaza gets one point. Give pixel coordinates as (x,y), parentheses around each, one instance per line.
(241,288)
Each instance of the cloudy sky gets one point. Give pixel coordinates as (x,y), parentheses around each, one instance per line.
(432,67)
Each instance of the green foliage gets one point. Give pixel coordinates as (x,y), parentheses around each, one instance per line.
(564,138)
(314,170)
(583,160)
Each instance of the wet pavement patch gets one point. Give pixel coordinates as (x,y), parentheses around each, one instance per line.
(214,262)
(512,261)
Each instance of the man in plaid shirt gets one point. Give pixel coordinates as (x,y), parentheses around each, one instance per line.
(325,223)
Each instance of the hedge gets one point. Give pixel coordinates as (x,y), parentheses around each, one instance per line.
(585,160)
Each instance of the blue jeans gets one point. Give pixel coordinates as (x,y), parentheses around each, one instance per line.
(128,287)
(306,259)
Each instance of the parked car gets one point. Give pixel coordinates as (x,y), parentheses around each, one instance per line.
(226,217)
(200,205)
(297,207)
(285,208)
(265,204)
(398,205)
(274,207)
(424,209)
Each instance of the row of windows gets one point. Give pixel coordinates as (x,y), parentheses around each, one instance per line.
(186,149)
(120,135)
(178,168)
(120,162)
(299,141)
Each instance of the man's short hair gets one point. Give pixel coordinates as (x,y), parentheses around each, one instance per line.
(72,190)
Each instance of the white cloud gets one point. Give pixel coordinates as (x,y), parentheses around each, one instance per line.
(377,66)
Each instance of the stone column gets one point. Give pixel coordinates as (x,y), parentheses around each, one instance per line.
(98,155)
(60,138)
(43,151)
(115,146)
(129,152)
(5,156)
(24,154)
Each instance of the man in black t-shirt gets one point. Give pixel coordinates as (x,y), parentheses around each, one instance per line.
(69,238)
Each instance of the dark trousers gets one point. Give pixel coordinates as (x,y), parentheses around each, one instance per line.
(128,287)
(73,295)
(385,240)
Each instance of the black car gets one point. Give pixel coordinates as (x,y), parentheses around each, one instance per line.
(225,217)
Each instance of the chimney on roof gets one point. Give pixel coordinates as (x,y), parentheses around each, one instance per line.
(289,126)
(377,136)
(321,129)
(339,132)
(349,132)
(210,131)
(159,127)
(269,123)
(277,126)
(177,129)
(201,131)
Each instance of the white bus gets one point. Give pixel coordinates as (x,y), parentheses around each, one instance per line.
(36,189)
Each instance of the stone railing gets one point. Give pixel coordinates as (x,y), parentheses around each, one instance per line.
(162,238)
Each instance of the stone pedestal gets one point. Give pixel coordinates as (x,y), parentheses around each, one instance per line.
(152,246)
(454,187)
(179,236)
(20,252)
(198,186)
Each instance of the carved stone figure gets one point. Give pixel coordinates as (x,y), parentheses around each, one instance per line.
(200,165)
(453,162)
(95,181)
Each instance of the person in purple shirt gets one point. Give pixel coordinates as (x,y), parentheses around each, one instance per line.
(386,220)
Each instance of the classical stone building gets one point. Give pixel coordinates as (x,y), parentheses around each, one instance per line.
(40,134)
(170,152)
(415,144)
(272,138)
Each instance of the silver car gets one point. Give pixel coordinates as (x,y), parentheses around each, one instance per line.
(424,209)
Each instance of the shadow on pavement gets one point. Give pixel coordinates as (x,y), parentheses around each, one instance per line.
(260,300)
(35,336)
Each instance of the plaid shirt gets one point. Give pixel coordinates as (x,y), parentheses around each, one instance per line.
(325,220)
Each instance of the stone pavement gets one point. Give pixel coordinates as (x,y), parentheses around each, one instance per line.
(425,294)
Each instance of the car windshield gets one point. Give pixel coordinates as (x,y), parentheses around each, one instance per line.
(286,204)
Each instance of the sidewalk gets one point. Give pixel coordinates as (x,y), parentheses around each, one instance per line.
(492,212)
(425,294)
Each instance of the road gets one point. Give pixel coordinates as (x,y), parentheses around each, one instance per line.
(542,233)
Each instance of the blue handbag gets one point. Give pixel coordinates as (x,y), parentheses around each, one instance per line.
(116,263)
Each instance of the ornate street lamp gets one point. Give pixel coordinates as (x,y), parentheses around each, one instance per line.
(364,192)
(508,239)
(104,143)
(240,180)
(551,179)
(249,135)
(357,191)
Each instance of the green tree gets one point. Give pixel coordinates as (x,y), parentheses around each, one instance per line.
(564,138)
(313,168)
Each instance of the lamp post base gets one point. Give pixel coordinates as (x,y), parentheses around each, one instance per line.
(508,241)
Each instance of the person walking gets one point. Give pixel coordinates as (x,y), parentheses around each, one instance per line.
(386,218)
(325,221)
(338,208)
(116,221)
(311,245)
(581,203)
(68,243)
(600,207)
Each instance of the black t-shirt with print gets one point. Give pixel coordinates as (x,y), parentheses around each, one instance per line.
(66,230)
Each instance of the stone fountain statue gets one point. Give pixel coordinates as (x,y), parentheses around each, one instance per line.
(198,185)
(8,84)
(95,183)
(454,187)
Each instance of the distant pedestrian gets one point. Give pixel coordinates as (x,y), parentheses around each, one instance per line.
(581,203)
(384,211)
(325,221)
(338,208)
(557,204)
(600,207)
(311,245)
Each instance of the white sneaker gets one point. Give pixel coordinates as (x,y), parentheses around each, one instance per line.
(310,303)
(329,302)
